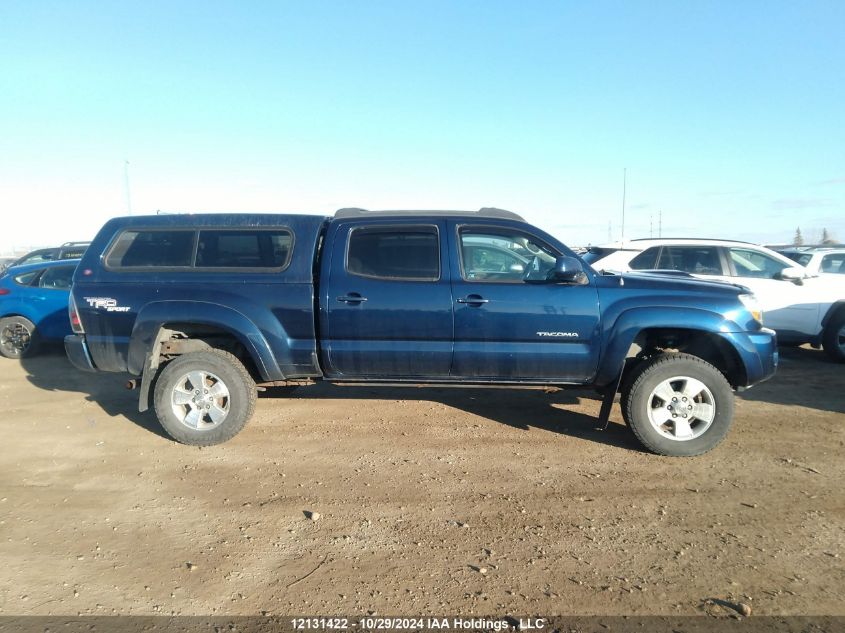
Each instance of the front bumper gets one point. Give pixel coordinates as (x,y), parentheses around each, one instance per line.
(77,352)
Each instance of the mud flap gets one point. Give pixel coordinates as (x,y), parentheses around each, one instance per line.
(146,383)
(607,401)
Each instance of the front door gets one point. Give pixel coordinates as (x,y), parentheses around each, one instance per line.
(512,324)
(388,302)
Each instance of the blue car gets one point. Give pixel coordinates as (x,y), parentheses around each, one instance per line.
(33,306)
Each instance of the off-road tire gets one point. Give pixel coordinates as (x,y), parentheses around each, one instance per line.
(638,394)
(18,322)
(830,338)
(240,389)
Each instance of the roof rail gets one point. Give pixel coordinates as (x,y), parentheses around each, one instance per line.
(485,212)
(688,239)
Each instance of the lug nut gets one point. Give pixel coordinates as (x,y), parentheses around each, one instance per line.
(674,415)
(674,399)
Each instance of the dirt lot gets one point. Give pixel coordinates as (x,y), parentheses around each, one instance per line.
(433,500)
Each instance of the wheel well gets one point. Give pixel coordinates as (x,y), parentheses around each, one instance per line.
(183,338)
(708,346)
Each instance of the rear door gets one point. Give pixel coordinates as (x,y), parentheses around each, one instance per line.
(509,323)
(387,306)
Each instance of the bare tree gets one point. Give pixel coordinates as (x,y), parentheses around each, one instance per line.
(798,240)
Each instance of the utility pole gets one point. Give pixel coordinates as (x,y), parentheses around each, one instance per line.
(660,224)
(126,185)
(609,231)
(624,182)
(651,225)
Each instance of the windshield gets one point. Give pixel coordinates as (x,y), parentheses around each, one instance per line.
(801,258)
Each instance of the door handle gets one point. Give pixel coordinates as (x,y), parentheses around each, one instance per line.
(353,298)
(473,300)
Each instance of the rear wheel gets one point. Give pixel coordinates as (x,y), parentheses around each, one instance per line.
(678,405)
(204,398)
(18,337)
(833,339)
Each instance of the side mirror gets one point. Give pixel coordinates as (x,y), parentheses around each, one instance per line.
(568,270)
(793,274)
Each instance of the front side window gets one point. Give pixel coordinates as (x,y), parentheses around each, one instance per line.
(411,253)
(58,278)
(751,263)
(244,249)
(506,256)
(146,248)
(833,264)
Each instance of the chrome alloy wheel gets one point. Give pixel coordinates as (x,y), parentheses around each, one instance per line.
(15,338)
(681,408)
(200,400)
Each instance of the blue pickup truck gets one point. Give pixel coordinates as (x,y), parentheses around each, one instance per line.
(204,309)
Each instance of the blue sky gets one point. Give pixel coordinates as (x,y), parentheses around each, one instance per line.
(727,115)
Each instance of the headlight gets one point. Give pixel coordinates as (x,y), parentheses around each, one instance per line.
(753,306)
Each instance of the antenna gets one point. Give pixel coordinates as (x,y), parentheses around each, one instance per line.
(126,184)
(624,182)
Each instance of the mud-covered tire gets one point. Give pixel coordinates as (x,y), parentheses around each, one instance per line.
(833,339)
(698,418)
(18,337)
(204,398)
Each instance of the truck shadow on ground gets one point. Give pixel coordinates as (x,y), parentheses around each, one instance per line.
(806,377)
(51,370)
(525,409)
(518,408)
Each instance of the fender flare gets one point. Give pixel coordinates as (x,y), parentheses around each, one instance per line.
(630,323)
(153,316)
(831,312)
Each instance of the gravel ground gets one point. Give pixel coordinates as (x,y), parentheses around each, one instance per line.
(428,500)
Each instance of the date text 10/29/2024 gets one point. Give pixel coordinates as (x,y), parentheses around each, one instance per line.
(417,624)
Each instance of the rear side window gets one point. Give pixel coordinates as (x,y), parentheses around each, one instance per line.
(144,249)
(58,278)
(394,252)
(244,249)
(647,260)
(696,260)
(215,248)
(27,279)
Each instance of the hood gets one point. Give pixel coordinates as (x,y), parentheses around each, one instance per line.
(670,280)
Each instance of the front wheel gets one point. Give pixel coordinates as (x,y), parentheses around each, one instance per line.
(678,405)
(204,398)
(833,339)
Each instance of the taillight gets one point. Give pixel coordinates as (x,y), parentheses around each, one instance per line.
(73,313)
(4,291)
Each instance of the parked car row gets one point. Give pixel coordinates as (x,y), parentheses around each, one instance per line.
(803,305)
(68,250)
(33,306)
